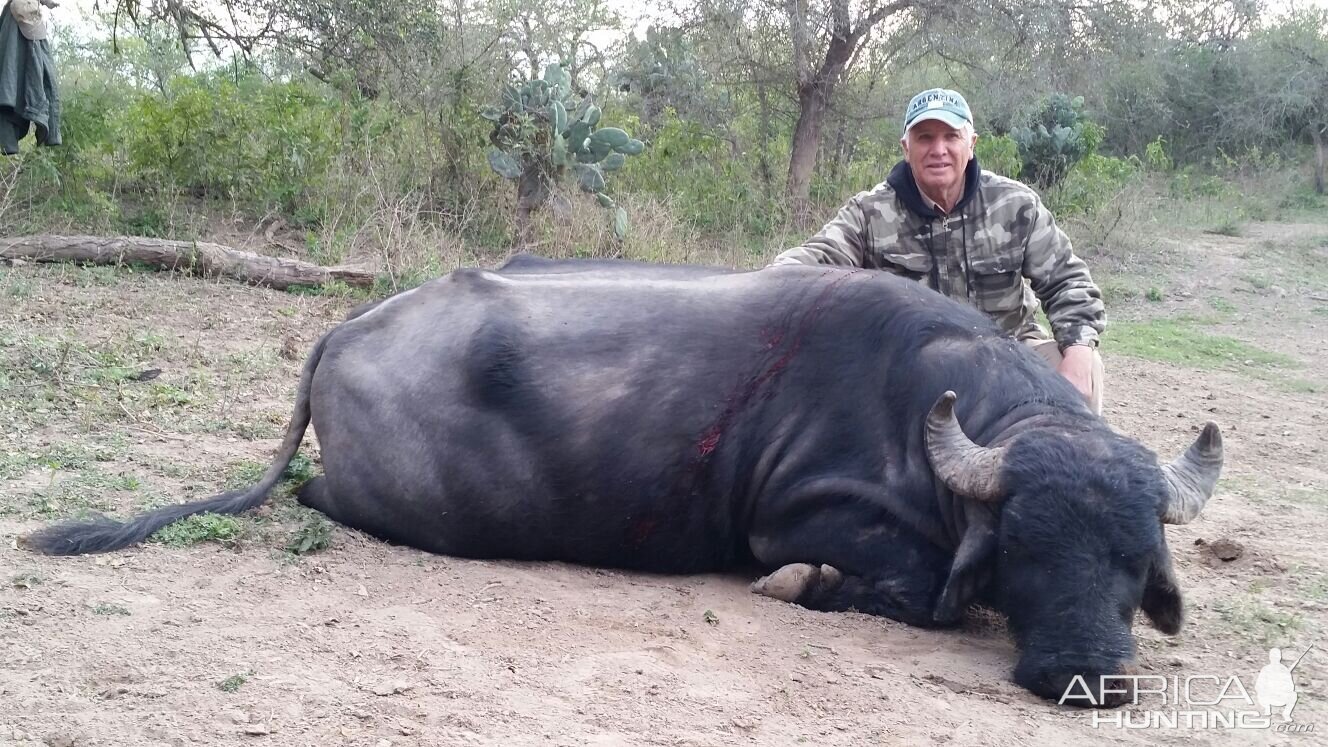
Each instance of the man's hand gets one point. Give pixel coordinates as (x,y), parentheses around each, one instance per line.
(1077,366)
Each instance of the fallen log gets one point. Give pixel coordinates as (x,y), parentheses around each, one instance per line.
(197,257)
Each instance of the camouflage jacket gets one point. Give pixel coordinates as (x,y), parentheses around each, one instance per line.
(999,250)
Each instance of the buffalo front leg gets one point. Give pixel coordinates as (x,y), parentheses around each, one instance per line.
(796,581)
(827,589)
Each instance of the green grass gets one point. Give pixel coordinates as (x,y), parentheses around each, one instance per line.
(233,682)
(67,455)
(108,608)
(1302,386)
(1116,291)
(314,535)
(1258,281)
(25,580)
(1180,341)
(1297,264)
(1251,619)
(226,530)
(1310,582)
(1230,227)
(18,288)
(70,492)
(1217,303)
(1266,491)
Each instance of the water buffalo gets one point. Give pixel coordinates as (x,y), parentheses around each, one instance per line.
(866,442)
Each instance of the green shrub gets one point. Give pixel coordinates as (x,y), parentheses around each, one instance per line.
(1092,183)
(1058,137)
(259,144)
(999,153)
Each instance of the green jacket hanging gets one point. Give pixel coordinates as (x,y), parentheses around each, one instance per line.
(29,97)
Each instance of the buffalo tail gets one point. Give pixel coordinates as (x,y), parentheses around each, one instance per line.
(103,534)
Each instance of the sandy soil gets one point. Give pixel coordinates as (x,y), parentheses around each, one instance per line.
(369,644)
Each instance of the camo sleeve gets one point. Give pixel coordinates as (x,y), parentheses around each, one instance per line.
(1061,280)
(840,242)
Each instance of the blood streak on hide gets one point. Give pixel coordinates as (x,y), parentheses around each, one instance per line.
(740,398)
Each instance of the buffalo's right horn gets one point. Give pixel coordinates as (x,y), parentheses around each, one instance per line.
(965,468)
(1192,478)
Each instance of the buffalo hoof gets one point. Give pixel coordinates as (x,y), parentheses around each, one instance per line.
(795,580)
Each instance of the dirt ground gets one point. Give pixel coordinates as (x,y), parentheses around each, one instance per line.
(243,643)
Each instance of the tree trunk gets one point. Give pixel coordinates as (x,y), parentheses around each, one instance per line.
(763,137)
(806,142)
(532,190)
(203,258)
(815,89)
(1317,136)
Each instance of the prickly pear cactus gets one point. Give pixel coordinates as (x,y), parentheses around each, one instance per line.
(1059,136)
(544,132)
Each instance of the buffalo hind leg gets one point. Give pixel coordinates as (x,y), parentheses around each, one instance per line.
(826,589)
(314,494)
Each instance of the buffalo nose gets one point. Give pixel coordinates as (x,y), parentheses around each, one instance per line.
(1088,690)
(1101,684)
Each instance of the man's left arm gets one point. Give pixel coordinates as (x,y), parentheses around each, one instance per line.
(1072,300)
(1061,280)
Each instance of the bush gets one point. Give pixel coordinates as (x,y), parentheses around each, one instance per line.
(1092,183)
(697,174)
(262,145)
(999,153)
(1059,136)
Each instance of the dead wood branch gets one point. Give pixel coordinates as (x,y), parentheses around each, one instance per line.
(197,257)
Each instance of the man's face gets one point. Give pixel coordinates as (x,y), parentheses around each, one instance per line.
(938,155)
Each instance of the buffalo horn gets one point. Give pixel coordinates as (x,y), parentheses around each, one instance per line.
(966,468)
(1192,478)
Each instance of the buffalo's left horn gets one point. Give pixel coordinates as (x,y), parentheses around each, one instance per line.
(1192,478)
(965,468)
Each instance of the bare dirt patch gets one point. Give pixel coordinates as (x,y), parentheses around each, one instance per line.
(369,644)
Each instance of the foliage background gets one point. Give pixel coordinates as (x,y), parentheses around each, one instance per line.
(348,130)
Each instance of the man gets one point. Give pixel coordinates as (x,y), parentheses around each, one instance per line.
(973,235)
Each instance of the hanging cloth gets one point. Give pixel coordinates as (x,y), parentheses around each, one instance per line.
(29,97)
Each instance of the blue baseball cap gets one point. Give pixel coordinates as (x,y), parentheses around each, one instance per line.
(938,103)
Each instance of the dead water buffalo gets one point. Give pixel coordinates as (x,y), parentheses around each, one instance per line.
(800,419)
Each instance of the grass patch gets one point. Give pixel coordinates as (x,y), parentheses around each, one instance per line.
(1261,491)
(1230,227)
(244,473)
(247,472)
(1252,619)
(66,455)
(1180,341)
(74,494)
(1258,282)
(1302,386)
(107,608)
(1217,303)
(25,580)
(314,535)
(193,530)
(1116,292)
(1311,583)
(338,289)
(233,682)
(1153,294)
(1294,264)
(19,288)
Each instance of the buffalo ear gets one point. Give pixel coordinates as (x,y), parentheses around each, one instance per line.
(972,568)
(1162,601)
